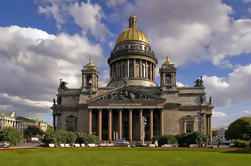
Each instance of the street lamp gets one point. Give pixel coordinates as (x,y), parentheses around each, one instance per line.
(143,134)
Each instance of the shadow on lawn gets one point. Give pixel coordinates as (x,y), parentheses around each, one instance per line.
(242,151)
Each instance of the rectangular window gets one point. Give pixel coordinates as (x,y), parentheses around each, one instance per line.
(189,126)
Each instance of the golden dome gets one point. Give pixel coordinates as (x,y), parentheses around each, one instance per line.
(167,62)
(132,32)
(90,64)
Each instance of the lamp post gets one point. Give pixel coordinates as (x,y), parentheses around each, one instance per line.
(143,134)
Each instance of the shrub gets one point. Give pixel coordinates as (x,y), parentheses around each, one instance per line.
(71,137)
(92,139)
(63,137)
(13,136)
(50,137)
(186,139)
(165,139)
(241,144)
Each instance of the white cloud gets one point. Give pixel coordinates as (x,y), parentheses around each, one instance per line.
(238,38)
(88,16)
(218,114)
(115,2)
(4,106)
(32,62)
(247,113)
(249,10)
(246,1)
(27,102)
(179,84)
(103,81)
(54,11)
(231,90)
(191,31)
(182,29)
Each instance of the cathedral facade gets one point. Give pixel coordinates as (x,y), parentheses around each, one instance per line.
(132,106)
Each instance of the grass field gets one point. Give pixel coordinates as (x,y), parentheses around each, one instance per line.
(125,156)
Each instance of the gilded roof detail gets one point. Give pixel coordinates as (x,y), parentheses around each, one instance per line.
(132,32)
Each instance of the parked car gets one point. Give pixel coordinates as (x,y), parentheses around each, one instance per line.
(4,145)
(121,142)
(34,140)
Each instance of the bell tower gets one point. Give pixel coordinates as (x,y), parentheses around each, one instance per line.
(168,74)
(90,76)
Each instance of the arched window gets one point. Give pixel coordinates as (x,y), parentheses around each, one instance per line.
(168,79)
(89,80)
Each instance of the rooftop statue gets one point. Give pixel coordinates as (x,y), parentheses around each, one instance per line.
(62,84)
(199,83)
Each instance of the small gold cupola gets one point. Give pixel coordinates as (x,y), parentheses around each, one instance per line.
(167,74)
(90,64)
(90,75)
(167,62)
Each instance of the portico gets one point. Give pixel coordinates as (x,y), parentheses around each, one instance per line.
(118,123)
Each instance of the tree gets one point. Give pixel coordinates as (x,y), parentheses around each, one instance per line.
(49,128)
(239,129)
(32,131)
(13,136)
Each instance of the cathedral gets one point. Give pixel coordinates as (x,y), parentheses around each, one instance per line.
(132,106)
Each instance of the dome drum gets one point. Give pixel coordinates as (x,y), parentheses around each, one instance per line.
(131,44)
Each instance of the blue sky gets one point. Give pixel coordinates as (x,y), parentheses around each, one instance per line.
(42,41)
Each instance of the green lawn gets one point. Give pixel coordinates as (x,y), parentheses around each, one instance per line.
(124,156)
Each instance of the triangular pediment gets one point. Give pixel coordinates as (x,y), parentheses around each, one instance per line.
(125,94)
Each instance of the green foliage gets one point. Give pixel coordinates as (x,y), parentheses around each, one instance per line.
(71,137)
(241,144)
(186,139)
(92,139)
(49,128)
(214,133)
(50,137)
(165,139)
(239,129)
(60,136)
(32,131)
(85,138)
(13,136)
